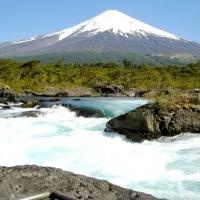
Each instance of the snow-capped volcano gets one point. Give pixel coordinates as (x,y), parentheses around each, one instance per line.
(115,22)
(109,31)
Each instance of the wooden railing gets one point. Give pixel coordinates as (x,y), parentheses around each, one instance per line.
(50,196)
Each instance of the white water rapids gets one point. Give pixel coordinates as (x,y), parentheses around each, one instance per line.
(167,168)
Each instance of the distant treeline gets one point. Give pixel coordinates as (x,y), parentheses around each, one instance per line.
(36,76)
(105,57)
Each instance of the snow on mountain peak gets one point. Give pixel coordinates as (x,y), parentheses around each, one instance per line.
(112,21)
(115,22)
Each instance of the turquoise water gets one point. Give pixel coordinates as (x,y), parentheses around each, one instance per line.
(168,167)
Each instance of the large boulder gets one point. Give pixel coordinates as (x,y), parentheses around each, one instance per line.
(22,181)
(7,93)
(85,111)
(154,120)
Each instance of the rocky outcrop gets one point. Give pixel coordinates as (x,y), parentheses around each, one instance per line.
(153,121)
(193,96)
(134,92)
(56,92)
(149,93)
(109,89)
(29,103)
(8,94)
(22,181)
(80,111)
(85,111)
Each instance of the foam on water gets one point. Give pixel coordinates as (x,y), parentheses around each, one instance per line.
(166,168)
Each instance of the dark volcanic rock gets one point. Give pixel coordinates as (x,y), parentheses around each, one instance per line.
(109,90)
(22,181)
(8,93)
(85,112)
(153,121)
(6,107)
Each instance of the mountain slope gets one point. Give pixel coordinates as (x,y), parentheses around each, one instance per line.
(109,31)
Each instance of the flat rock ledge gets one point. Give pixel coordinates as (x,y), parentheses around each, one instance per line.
(153,121)
(22,181)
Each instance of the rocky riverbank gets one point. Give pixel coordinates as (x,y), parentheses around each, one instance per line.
(106,90)
(155,120)
(22,181)
(174,111)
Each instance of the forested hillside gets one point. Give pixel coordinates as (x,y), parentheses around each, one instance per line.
(36,76)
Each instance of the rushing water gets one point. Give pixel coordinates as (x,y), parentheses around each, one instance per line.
(166,168)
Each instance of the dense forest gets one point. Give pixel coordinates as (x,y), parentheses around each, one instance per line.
(36,76)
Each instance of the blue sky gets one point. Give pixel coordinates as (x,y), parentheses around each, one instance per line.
(25,18)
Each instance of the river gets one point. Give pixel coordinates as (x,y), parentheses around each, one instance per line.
(167,168)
